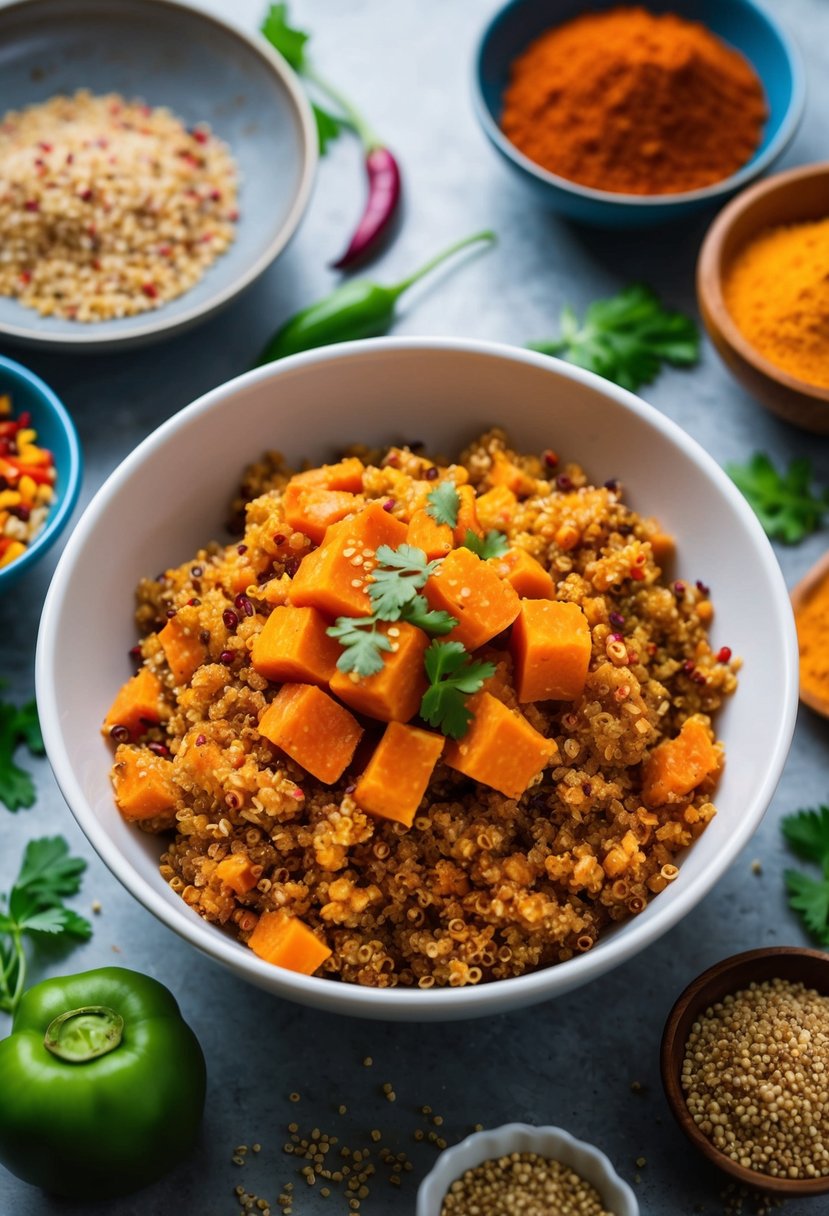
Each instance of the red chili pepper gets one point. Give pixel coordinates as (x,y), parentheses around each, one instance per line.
(383,174)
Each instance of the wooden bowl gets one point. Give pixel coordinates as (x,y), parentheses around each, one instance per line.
(809,583)
(788,198)
(810,967)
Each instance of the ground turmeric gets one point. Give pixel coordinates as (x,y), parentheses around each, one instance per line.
(636,103)
(812,620)
(777,292)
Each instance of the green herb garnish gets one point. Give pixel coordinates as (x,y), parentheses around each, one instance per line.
(807,834)
(783,502)
(399,575)
(290,42)
(444,503)
(625,338)
(430,620)
(494,544)
(453,676)
(34,906)
(17,726)
(362,644)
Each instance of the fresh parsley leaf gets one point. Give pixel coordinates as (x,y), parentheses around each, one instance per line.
(288,41)
(494,544)
(626,338)
(396,579)
(811,900)
(453,676)
(443,503)
(783,502)
(430,620)
(17,726)
(807,833)
(329,126)
(362,644)
(34,907)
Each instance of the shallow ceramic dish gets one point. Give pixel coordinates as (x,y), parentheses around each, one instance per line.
(809,967)
(799,195)
(747,26)
(551,1142)
(55,431)
(172,55)
(443,392)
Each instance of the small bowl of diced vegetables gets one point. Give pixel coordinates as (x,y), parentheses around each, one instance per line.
(40,470)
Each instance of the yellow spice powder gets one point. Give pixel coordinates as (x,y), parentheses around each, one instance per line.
(777,292)
(812,620)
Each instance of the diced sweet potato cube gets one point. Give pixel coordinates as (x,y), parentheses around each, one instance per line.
(467,520)
(676,767)
(527,576)
(285,941)
(138,704)
(471,591)
(344,475)
(182,648)
(500,749)
(505,473)
(393,694)
(293,647)
(425,533)
(143,783)
(495,508)
(237,872)
(334,578)
(313,509)
(311,728)
(396,777)
(551,646)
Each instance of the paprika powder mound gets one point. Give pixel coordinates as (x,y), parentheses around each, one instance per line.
(812,621)
(777,292)
(635,103)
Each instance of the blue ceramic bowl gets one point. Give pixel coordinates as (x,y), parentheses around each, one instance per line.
(742,23)
(169,54)
(55,431)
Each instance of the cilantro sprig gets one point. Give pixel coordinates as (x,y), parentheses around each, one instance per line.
(399,575)
(362,642)
(493,544)
(807,834)
(625,338)
(783,502)
(34,907)
(18,727)
(453,676)
(443,504)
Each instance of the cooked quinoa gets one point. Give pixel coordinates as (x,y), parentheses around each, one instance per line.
(482,886)
(109,207)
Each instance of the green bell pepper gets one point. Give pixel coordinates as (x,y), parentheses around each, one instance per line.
(102,1085)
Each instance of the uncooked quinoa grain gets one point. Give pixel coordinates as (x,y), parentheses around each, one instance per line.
(756,1078)
(109,207)
(525,1183)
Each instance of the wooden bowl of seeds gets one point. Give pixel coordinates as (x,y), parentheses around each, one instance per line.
(745,1067)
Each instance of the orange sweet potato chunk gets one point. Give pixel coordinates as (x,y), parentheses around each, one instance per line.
(286,942)
(396,777)
(334,578)
(496,507)
(311,728)
(344,475)
(393,694)
(527,576)
(505,473)
(471,591)
(676,767)
(237,872)
(500,749)
(182,648)
(436,540)
(137,705)
(551,647)
(313,509)
(143,783)
(293,647)
(467,520)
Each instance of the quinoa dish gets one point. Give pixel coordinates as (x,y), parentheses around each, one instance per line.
(422,723)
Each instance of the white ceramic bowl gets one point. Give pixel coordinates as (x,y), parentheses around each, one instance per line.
(170,496)
(551,1142)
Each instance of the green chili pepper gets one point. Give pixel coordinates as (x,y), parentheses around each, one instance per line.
(101,1085)
(356,309)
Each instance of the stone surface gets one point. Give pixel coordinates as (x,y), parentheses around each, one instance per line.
(570,1062)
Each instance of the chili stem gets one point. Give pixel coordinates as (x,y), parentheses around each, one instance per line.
(433,263)
(368,137)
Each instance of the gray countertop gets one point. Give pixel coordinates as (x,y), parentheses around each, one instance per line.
(571,1062)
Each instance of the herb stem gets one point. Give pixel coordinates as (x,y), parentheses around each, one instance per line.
(368,137)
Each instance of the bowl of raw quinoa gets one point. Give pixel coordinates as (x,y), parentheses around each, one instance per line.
(436,694)
(154,162)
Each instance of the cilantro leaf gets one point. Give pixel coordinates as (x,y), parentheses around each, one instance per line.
(396,579)
(494,544)
(329,126)
(807,833)
(288,41)
(430,620)
(48,871)
(783,502)
(17,726)
(452,677)
(626,338)
(811,900)
(443,503)
(362,644)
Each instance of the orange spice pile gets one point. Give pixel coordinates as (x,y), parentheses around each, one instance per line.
(636,103)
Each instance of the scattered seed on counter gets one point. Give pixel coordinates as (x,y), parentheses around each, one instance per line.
(520,1182)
